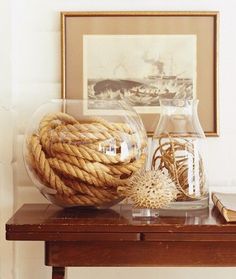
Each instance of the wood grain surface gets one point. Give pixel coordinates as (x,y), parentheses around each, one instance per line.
(112,237)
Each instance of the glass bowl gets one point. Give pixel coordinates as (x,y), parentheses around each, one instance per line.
(78,152)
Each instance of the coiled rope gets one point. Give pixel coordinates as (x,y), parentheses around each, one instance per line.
(75,158)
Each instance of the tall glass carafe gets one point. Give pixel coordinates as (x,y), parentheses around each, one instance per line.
(177,145)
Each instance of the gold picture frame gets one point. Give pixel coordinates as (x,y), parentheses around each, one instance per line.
(81,31)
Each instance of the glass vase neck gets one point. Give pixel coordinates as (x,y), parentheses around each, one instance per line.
(179,118)
(179,106)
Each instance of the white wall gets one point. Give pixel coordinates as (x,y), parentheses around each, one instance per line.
(30,75)
(6,137)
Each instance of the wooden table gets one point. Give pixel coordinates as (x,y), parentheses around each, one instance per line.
(79,237)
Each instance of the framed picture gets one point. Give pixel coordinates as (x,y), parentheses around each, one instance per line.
(142,57)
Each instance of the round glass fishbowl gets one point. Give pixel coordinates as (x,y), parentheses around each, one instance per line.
(78,152)
(178,152)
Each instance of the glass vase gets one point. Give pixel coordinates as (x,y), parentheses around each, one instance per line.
(177,151)
(78,152)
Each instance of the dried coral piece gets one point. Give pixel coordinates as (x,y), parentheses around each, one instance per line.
(150,189)
(183,163)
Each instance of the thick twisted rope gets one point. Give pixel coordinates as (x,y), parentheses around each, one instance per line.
(75,158)
(82,151)
(45,170)
(86,189)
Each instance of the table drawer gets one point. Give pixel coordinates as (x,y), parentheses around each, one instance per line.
(172,236)
(74,236)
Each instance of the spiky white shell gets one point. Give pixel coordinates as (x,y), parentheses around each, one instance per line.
(151,189)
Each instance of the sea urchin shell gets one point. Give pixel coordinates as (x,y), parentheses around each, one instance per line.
(150,189)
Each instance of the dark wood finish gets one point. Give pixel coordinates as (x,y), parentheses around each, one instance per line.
(73,236)
(151,253)
(58,273)
(203,237)
(112,237)
(34,219)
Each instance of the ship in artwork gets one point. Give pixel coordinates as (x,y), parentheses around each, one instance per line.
(147,91)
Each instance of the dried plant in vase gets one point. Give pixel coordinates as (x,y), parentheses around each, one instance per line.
(150,189)
(180,141)
(179,158)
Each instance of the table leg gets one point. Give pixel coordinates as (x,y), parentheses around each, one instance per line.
(58,272)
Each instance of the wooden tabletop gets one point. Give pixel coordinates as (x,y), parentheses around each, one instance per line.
(49,222)
(112,237)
